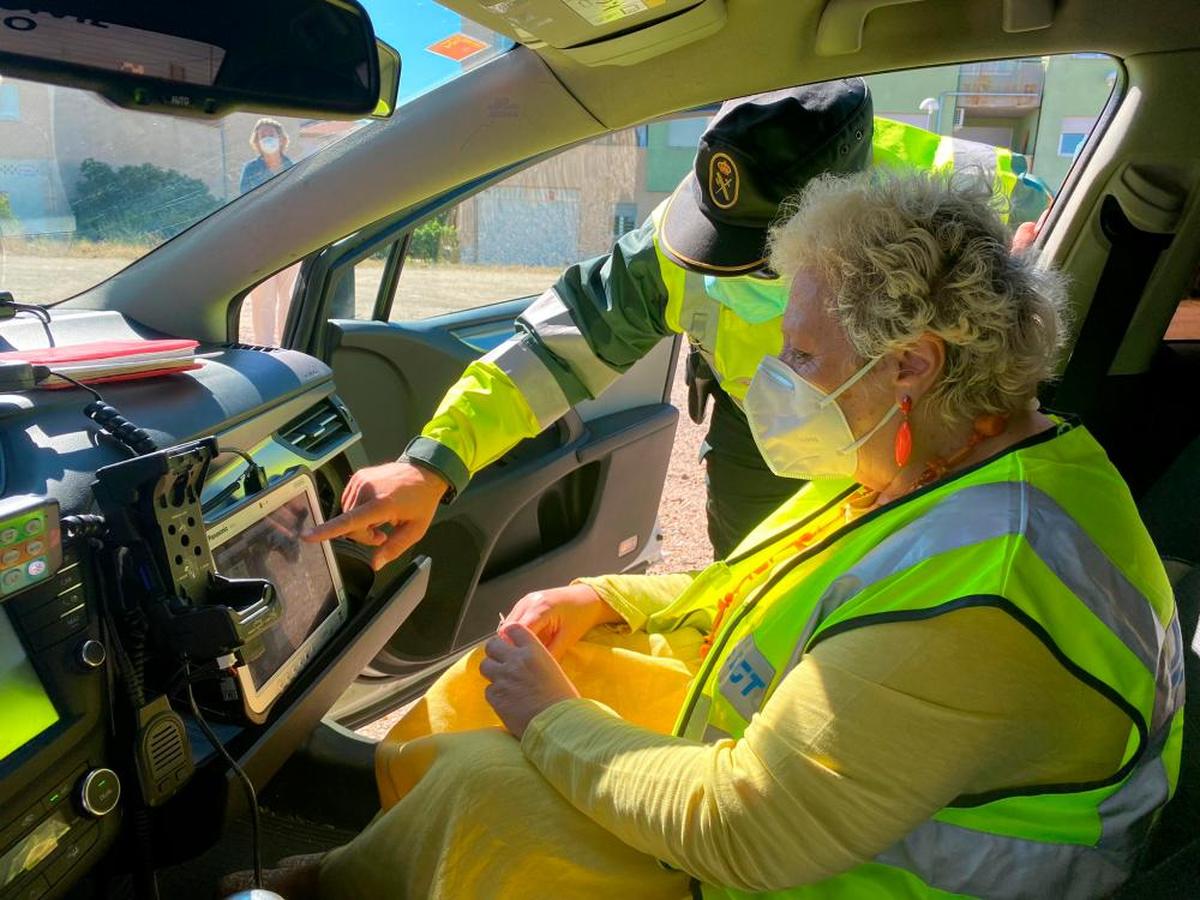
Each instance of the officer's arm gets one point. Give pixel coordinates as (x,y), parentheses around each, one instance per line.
(600,318)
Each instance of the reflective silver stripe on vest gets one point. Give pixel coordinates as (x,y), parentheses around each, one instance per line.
(549,318)
(1168,678)
(965,861)
(977,863)
(537,384)
(986,511)
(972,154)
(699,315)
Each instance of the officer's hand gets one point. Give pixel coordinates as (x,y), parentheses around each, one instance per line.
(396,494)
(559,617)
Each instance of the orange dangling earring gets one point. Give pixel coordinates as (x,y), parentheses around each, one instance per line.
(904,433)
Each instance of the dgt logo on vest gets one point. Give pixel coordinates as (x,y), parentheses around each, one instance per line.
(745,677)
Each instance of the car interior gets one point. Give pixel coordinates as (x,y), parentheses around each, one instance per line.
(149,643)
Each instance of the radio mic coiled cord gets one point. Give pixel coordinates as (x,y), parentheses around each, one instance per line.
(111,422)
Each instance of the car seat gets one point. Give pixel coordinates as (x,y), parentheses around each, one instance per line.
(1171,511)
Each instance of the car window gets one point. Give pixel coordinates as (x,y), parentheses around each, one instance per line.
(1030,117)
(1041,110)
(514,238)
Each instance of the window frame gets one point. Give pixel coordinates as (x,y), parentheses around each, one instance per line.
(307,331)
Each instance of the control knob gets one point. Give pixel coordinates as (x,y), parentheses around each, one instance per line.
(91,654)
(99,791)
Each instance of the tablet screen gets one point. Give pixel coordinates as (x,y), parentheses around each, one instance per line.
(271,548)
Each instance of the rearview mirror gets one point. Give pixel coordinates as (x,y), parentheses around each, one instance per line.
(314,58)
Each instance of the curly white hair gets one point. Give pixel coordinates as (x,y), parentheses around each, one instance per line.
(902,255)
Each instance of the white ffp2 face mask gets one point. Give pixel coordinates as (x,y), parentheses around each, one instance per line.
(268,144)
(800,430)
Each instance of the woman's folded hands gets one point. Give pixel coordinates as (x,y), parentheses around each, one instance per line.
(525,678)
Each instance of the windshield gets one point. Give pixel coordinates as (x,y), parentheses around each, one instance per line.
(86,188)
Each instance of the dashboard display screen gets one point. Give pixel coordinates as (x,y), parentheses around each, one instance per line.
(25,708)
(271,548)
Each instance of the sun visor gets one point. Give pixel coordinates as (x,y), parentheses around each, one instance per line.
(598,32)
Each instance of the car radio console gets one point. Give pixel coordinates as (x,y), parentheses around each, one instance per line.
(151,598)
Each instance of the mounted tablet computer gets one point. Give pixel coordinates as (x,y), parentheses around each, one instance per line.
(262,540)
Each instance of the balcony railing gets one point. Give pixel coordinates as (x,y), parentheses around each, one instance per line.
(1006,86)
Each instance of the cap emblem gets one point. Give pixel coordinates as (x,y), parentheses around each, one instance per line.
(723,180)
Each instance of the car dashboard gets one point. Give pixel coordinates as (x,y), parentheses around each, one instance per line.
(85,759)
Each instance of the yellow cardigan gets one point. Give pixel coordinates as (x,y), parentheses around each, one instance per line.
(876,729)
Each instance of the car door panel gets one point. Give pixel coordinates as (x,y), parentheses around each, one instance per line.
(581,498)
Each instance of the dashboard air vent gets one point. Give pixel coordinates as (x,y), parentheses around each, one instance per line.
(239,345)
(318,430)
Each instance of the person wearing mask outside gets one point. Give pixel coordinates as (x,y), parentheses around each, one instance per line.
(268,300)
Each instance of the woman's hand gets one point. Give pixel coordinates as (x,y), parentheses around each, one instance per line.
(525,678)
(559,617)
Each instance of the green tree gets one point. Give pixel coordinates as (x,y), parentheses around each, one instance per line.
(434,239)
(137,203)
(6,213)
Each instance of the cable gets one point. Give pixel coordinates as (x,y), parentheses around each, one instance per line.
(10,307)
(247,784)
(238,452)
(254,479)
(79,384)
(131,667)
(84,526)
(110,420)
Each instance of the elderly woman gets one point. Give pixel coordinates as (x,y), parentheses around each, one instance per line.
(949,664)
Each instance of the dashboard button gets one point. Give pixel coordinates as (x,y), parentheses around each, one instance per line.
(69,624)
(12,578)
(20,827)
(49,613)
(11,555)
(35,548)
(91,654)
(70,854)
(99,791)
(34,526)
(9,535)
(36,568)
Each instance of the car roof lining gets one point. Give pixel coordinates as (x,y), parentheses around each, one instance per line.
(894,38)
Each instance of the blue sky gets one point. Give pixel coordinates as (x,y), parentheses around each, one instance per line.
(410,26)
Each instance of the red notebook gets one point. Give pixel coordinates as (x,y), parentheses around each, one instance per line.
(110,360)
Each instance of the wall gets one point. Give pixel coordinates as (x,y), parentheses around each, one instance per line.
(1075,86)
(665,165)
(902,92)
(28,176)
(597,175)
